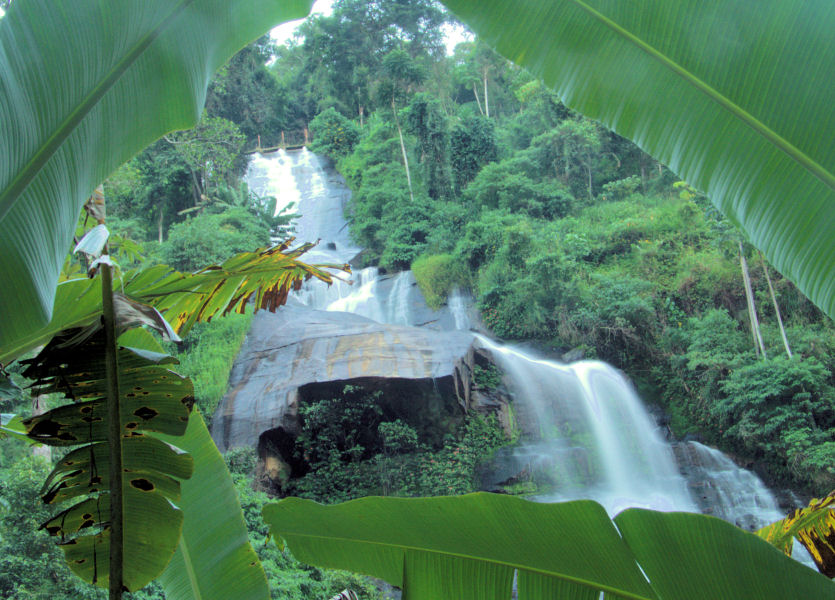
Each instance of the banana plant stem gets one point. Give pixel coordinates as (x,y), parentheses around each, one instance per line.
(114,436)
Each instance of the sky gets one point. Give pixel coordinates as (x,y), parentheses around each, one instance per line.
(283,33)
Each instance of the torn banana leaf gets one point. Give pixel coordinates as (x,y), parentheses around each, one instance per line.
(264,276)
(813,526)
(153,399)
(468,548)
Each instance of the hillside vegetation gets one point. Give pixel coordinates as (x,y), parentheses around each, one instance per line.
(571,236)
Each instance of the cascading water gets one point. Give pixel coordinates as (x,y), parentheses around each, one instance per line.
(723,489)
(586,433)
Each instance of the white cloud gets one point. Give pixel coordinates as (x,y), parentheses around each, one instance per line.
(284,32)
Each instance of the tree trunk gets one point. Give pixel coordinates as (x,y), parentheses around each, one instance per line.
(486,101)
(589,172)
(591,193)
(759,347)
(478,101)
(403,149)
(776,307)
(565,154)
(196,189)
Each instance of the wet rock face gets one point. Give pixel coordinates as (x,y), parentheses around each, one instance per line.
(296,347)
(723,489)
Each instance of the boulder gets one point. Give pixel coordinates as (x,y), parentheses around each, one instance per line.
(295,347)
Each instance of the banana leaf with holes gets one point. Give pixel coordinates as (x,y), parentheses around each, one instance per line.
(470,547)
(735,97)
(154,400)
(85,85)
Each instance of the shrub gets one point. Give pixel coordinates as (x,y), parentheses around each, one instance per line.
(333,134)
(212,238)
(437,275)
(472,145)
(782,410)
(207,356)
(502,186)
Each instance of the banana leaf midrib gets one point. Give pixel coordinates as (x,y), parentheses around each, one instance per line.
(13,192)
(520,567)
(792,151)
(192,576)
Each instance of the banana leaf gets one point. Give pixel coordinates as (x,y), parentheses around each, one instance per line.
(468,547)
(733,96)
(85,85)
(153,399)
(214,559)
(813,526)
(12,426)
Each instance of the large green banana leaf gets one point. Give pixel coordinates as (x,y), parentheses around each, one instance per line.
(214,560)
(467,548)
(736,97)
(84,85)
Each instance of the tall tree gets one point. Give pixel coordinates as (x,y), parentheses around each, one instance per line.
(776,306)
(210,150)
(573,148)
(245,92)
(473,145)
(166,186)
(426,121)
(400,75)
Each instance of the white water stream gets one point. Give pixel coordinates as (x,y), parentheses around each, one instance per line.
(587,434)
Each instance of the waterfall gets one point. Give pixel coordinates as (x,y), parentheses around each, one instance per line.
(586,433)
(458,306)
(273,176)
(725,490)
(588,414)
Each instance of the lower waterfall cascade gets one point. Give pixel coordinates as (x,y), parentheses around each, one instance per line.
(585,431)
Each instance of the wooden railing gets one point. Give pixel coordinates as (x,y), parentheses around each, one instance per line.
(290,140)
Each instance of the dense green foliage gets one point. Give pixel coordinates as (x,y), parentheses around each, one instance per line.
(211,238)
(569,235)
(564,232)
(333,134)
(289,579)
(206,357)
(31,565)
(354,446)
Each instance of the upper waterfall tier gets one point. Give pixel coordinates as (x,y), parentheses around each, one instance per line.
(304,183)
